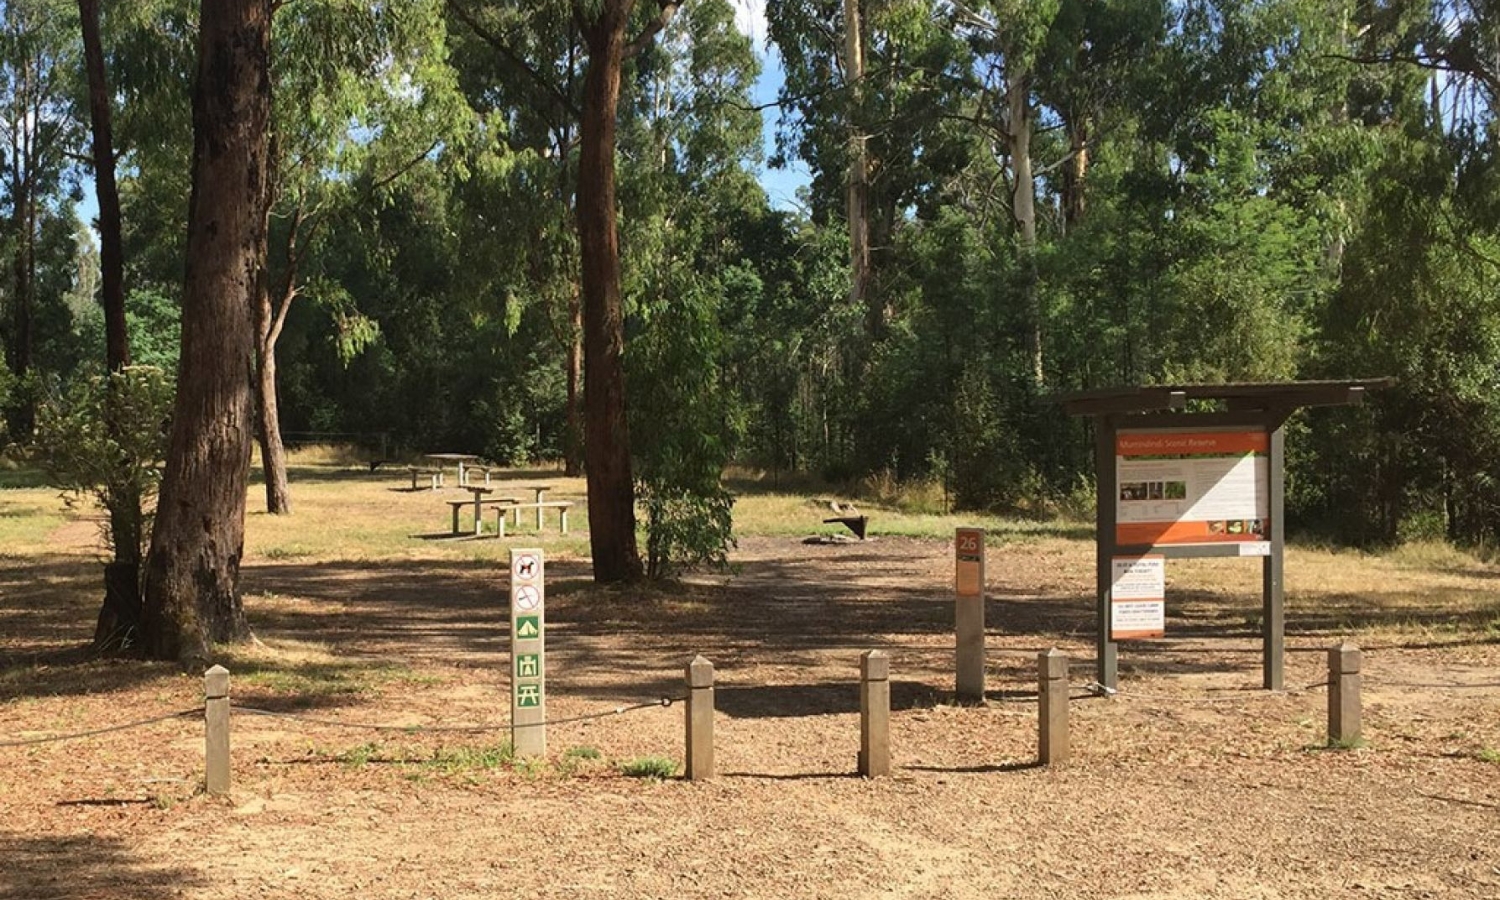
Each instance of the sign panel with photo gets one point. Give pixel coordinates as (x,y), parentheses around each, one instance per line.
(1191,487)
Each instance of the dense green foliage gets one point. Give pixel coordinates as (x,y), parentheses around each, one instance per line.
(119,466)
(1062,195)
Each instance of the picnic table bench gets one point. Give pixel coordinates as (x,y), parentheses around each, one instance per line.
(435,476)
(478,503)
(515,507)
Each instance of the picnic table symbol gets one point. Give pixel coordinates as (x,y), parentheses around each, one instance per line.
(528,695)
(528,598)
(526,566)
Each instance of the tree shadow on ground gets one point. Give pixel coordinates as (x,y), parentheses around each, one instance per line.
(47,867)
(74,671)
(795,700)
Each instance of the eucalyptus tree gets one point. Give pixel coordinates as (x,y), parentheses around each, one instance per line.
(611,33)
(191,585)
(523,76)
(362,95)
(889,124)
(1420,274)
(39,137)
(106,187)
(119,616)
(691,135)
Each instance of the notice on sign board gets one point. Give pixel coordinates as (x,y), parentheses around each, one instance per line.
(1192,487)
(1137,598)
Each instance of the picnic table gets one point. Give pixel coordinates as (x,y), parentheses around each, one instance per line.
(462,459)
(479,502)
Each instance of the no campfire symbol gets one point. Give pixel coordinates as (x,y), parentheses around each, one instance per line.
(526,566)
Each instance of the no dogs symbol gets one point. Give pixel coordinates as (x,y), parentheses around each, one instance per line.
(527,566)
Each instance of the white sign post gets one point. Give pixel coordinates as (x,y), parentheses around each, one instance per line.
(528,696)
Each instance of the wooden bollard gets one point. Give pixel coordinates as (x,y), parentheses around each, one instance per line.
(700,719)
(216,731)
(1343,694)
(1052,713)
(874,713)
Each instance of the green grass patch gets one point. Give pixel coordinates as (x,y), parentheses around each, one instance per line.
(655,768)
(1488,755)
(461,760)
(360,756)
(315,679)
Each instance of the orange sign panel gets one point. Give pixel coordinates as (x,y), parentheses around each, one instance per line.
(1191,487)
(968,562)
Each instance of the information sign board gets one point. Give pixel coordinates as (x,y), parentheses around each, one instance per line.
(1137,599)
(1191,487)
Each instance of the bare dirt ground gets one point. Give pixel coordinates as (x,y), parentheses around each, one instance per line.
(1191,783)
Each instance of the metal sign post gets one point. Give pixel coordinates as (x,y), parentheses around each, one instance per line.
(528,695)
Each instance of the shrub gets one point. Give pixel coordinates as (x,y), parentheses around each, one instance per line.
(119,465)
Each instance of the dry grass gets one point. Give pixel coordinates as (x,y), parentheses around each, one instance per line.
(369,613)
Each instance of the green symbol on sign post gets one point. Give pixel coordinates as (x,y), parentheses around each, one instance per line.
(528,665)
(528,695)
(528,627)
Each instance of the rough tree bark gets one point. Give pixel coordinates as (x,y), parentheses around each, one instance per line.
(611,487)
(191,584)
(120,614)
(573,446)
(111,244)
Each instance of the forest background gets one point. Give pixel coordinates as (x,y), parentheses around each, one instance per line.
(1007,199)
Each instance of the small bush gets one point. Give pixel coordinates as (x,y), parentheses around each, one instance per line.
(116,463)
(653,767)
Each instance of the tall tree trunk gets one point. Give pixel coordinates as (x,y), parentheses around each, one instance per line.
(268,416)
(611,488)
(107,192)
(573,442)
(858,201)
(1019,121)
(23,416)
(120,614)
(269,319)
(192,596)
(1075,175)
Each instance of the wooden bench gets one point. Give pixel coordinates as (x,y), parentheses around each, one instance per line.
(478,502)
(514,508)
(433,475)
